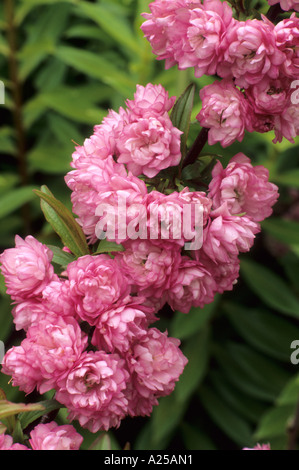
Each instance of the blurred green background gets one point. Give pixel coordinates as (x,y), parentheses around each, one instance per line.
(64,64)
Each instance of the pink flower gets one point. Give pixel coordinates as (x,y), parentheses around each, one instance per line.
(93,391)
(155,365)
(27,268)
(269,96)
(57,299)
(250,53)
(192,285)
(30,312)
(225,274)
(116,328)
(149,145)
(227,235)
(287,124)
(258,447)
(178,217)
(97,283)
(87,183)
(166,28)
(207,26)
(286,5)
(6,443)
(121,209)
(245,189)
(149,266)
(46,355)
(225,112)
(149,101)
(50,436)
(287,40)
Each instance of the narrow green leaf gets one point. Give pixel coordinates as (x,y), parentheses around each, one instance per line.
(270,288)
(8,408)
(108,247)
(259,328)
(181,114)
(225,418)
(197,350)
(15,199)
(165,419)
(61,257)
(42,408)
(96,66)
(63,222)
(286,231)
(185,325)
(274,422)
(117,27)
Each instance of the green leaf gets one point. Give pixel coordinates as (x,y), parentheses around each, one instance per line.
(248,374)
(15,199)
(63,222)
(61,257)
(270,288)
(8,408)
(96,66)
(117,27)
(165,419)
(195,438)
(286,231)
(259,328)
(103,442)
(225,418)
(274,422)
(289,178)
(197,351)
(42,408)
(185,325)
(181,114)
(290,393)
(108,247)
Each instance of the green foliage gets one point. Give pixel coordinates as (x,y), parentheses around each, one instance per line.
(77,59)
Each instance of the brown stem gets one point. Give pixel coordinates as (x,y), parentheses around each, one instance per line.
(17,102)
(197,147)
(293,430)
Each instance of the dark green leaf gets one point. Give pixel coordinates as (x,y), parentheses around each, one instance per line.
(181,114)
(63,223)
(269,287)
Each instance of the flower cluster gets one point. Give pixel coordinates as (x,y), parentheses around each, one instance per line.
(48,436)
(89,330)
(256,60)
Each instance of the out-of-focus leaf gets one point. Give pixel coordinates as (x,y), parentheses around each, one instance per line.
(165,419)
(270,288)
(96,66)
(289,178)
(244,405)
(290,393)
(274,422)
(225,418)
(115,26)
(183,326)
(286,231)
(259,328)
(197,350)
(103,442)
(63,222)
(242,374)
(15,199)
(195,438)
